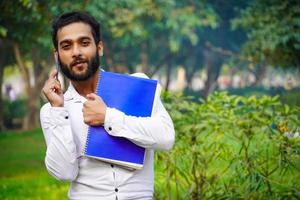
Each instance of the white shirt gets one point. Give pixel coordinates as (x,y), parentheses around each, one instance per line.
(65,133)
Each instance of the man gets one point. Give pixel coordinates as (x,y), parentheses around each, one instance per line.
(65,119)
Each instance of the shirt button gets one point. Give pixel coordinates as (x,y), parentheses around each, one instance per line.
(116,190)
(112,165)
(66,117)
(109,128)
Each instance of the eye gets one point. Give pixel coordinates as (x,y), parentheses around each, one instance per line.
(85,43)
(65,46)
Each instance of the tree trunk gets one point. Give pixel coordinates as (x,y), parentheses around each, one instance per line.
(190,74)
(109,58)
(213,64)
(30,120)
(1,83)
(122,66)
(168,75)
(194,65)
(144,58)
(260,73)
(160,64)
(40,75)
(1,101)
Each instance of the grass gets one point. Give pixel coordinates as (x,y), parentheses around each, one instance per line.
(22,171)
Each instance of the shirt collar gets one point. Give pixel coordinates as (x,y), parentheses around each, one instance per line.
(72,95)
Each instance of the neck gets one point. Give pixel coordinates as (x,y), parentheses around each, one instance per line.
(88,86)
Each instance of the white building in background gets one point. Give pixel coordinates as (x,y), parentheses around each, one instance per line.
(181,82)
(273,78)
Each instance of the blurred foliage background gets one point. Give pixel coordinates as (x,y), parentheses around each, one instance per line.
(243,144)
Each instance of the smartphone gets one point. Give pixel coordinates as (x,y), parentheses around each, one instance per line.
(56,65)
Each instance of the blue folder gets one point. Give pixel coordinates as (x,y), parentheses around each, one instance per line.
(132,95)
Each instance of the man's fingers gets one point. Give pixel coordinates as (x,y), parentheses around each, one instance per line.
(57,88)
(93,110)
(92,96)
(52,86)
(57,83)
(53,83)
(53,74)
(53,91)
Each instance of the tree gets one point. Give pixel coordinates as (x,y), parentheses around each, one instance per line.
(221,37)
(24,23)
(157,31)
(28,34)
(273,32)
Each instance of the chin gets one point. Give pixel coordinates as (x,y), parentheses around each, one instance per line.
(79,71)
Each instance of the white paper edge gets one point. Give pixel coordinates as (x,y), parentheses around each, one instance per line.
(127,165)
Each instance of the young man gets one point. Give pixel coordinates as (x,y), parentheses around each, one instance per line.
(65,119)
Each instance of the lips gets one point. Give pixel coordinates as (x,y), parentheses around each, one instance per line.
(78,63)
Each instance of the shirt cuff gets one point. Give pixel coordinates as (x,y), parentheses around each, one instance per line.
(114,121)
(59,116)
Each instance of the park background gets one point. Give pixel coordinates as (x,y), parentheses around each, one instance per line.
(230,71)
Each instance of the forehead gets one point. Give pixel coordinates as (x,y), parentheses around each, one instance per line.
(74,31)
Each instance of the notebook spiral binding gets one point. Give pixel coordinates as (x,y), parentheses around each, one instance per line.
(88,133)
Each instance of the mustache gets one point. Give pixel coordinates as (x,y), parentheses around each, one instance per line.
(78,61)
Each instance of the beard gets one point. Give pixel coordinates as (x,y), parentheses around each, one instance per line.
(92,68)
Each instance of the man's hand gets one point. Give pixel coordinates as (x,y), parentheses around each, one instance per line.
(52,90)
(94,110)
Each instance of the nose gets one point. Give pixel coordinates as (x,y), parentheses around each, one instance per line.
(76,51)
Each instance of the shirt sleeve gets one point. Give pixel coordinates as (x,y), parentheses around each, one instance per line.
(155,132)
(61,155)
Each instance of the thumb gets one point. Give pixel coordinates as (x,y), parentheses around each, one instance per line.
(91,96)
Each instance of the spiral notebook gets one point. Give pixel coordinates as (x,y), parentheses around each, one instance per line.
(132,95)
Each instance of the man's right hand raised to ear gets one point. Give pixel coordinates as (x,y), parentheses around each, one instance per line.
(52,90)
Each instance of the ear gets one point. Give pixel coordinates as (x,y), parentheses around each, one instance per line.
(100,48)
(55,53)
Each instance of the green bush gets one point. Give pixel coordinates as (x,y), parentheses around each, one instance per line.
(14,112)
(291,98)
(230,147)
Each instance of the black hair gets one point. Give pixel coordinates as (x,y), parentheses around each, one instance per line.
(75,16)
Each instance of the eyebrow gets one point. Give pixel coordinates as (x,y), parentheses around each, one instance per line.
(79,39)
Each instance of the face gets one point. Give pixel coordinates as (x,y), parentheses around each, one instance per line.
(78,54)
